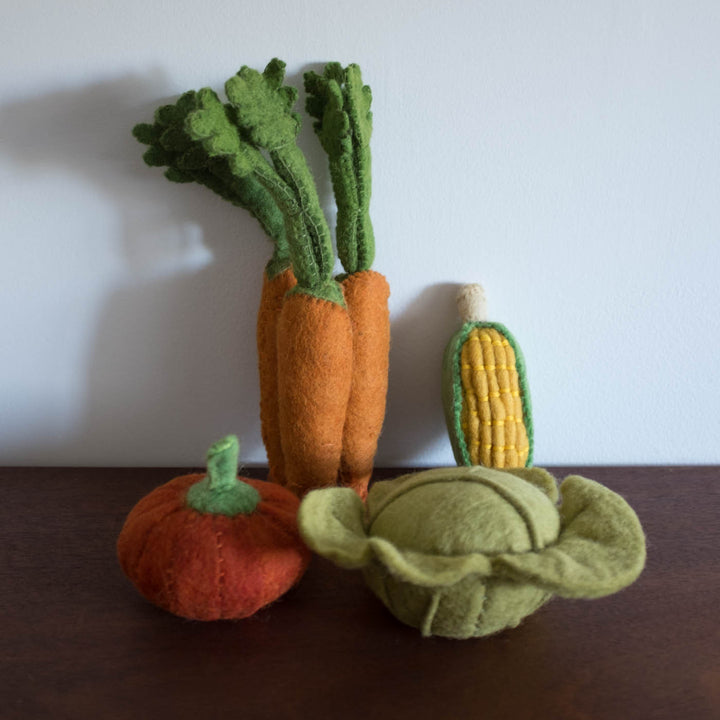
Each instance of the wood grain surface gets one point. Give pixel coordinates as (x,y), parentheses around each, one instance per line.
(77,641)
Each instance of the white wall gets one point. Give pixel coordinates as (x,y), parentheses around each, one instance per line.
(564,154)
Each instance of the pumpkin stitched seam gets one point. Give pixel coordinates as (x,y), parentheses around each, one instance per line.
(170,575)
(146,541)
(220,572)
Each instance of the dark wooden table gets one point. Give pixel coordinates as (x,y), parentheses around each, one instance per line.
(79,642)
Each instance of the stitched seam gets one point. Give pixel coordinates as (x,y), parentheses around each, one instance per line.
(476,480)
(170,575)
(524,395)
(220,571)
(510,498)
(146,542)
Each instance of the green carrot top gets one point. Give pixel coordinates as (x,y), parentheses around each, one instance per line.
(188,160)
(341,105)
(245,150)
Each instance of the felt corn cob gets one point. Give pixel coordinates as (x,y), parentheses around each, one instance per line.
(485,393)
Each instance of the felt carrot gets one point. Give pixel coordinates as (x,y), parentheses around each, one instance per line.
(271,302)
(314,335)
(324,381)
(203,147)
(187,160)
(314,376)
(341,105)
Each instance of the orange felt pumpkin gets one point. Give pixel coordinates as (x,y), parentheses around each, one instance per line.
(214,546)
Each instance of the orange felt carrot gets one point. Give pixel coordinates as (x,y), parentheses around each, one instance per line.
(314,333)
(271,302)
(341,105)
(316,353)
(314,376)
(366,295)
(198,141)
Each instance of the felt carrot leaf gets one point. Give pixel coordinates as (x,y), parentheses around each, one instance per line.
(146,133)
(359,99)
(274,73)
(175,139)
(263,113)
(210,125)
(341,105)
(166,115)
(193,159)
(263,105)
(186,103)
(289,94)
(174,174)
(197,141)
(333,126)
(156,156)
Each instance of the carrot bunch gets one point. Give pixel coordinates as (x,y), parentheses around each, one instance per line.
(340,104)
(323,342)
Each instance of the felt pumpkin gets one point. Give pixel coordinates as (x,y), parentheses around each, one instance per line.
(466,552)
(214,546)
(485,390)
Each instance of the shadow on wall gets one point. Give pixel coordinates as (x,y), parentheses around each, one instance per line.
(173,359)
(173,362)
(415,422)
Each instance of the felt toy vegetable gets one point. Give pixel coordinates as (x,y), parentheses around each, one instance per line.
(323,347)
(341,105)
(274,290)
(485,390)
(214,546)
(192,157)
(466,552)
(314,333)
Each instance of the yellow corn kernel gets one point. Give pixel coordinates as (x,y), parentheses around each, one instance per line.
(492,414)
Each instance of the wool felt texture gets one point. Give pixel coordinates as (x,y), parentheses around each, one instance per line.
(366,296)
(314,345)
(467,552)
(341,105)
(213,565)
(264,115)
(271,302)
(220,492)
(175,145)
(234,137)
(249,145)
(485,390)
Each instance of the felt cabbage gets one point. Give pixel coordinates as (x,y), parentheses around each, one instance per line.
(468,551)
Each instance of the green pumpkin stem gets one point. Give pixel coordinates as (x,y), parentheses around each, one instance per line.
(220,491)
